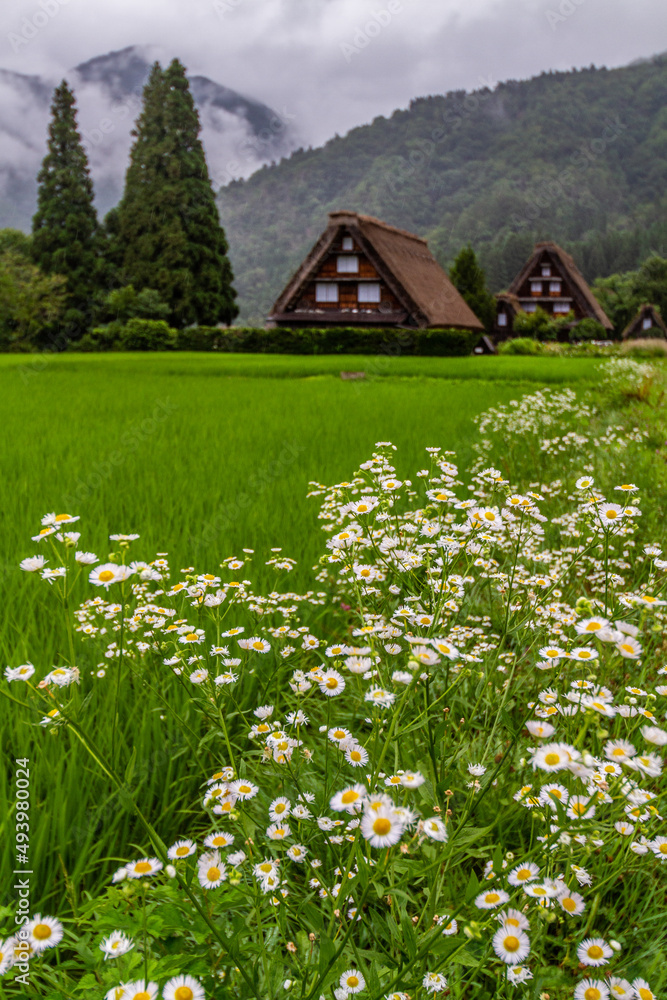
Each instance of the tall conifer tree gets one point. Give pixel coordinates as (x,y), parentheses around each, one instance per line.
(65,228)
(167,230)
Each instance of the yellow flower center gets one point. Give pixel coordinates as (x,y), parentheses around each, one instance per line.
(63,517)
(258,645)
(355,755)
(349,796)
(512,943)
(340,734)
(568,904)
(523,873)
(106,575)
(645,994)
(663,848)
(142,867)
(183,993)
(592,993)
(181,852)
(213,874)
(540,890)
(595,951)
(332,682)
(42,932)
(551,759)
(382,826)
(491,897)
(144,995)
(244,789)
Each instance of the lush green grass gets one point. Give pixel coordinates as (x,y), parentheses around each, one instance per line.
(202,455)
(548,371)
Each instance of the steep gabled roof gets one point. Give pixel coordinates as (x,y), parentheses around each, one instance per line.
(510,300)
(402,260)
(587,300)
(634,326)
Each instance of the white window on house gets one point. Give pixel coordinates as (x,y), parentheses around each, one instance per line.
(530,307)
(546,270)
(554,287)
(348,265)
(369,292)
(502,319)
(536,288)
(647,323)
(348,243)
(326,291)
(561,307)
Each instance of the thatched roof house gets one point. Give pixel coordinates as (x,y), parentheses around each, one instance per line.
(363,272)
(551,280)
(647,323)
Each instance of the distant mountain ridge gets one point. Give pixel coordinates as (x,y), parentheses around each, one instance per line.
(578,157)
(239,133)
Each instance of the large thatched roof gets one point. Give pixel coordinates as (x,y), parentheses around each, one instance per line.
(401,259)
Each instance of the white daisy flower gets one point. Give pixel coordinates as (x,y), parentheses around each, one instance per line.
(44,932)
(116,944)
(434,982)
(181,849)
(352,981)
(511,946)
(594,951)
(183,988)
(139,990)
(381,827)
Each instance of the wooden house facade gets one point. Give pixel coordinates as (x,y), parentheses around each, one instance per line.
(552,281)
(363,272)
(647,323)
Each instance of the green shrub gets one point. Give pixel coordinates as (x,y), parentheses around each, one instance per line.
(541,324)
(147,335)
(198,338)
(588,329)
(521,345)
(332,340)
(155,335)
(100,338)
(647,347)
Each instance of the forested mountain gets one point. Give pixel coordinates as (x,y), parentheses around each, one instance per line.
(579,157)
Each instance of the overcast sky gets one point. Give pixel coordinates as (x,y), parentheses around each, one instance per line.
(328,65)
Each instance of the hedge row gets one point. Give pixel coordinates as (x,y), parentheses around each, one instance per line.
(156,335)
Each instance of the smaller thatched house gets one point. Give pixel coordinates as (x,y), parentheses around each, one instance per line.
(363,272)
(551,280)
(647,323)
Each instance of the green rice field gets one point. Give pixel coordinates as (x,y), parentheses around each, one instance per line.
(202,456)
